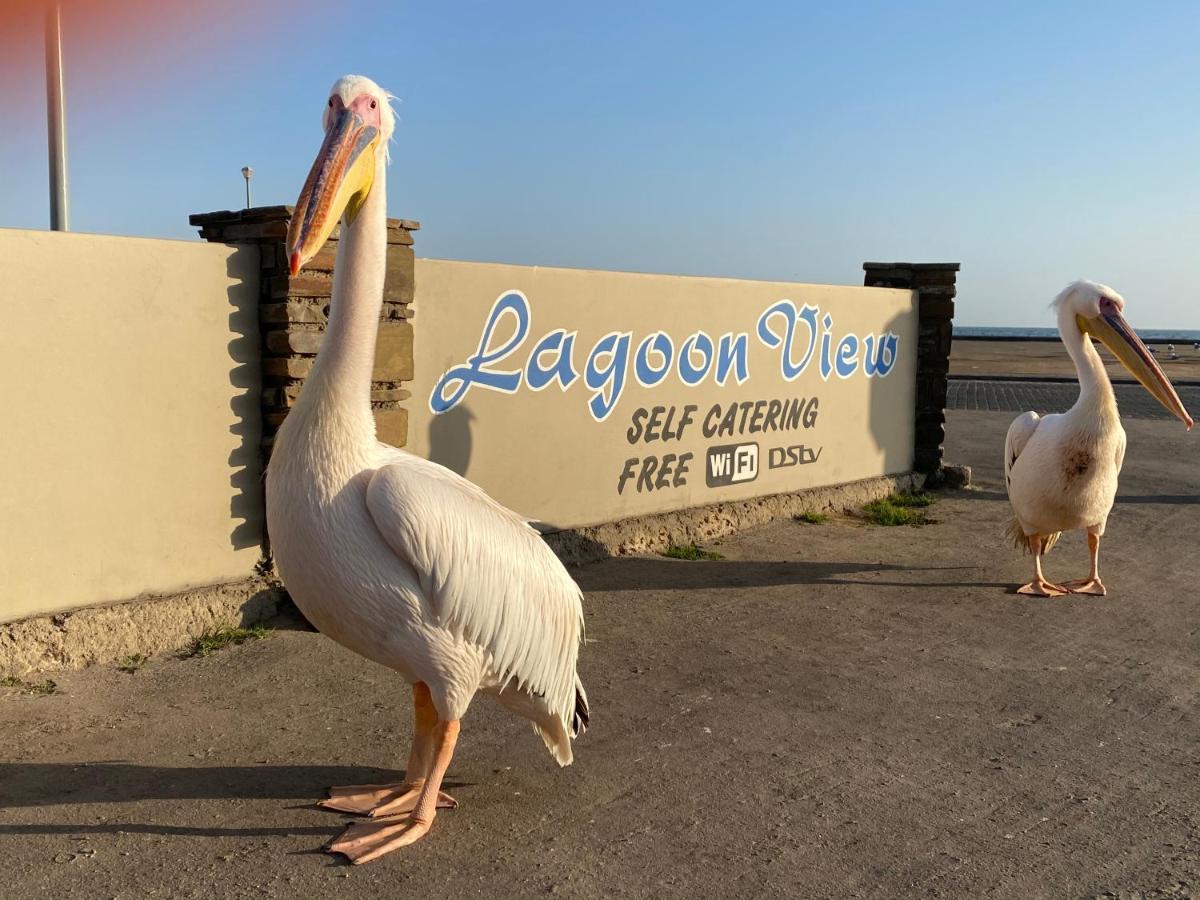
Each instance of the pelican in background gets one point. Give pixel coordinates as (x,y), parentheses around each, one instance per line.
(397,558)
(1061,470)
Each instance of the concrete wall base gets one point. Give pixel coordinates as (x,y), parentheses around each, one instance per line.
(105,634)
(653,534)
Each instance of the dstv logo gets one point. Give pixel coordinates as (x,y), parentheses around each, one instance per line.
(731,464)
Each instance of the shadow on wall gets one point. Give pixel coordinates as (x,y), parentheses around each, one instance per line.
(881,408)
(450,439)
(247,506)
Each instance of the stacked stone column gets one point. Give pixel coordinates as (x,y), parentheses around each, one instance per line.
(294,310)
(935,287)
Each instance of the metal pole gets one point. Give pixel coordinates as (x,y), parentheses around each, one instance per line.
(247,172)
(56,115)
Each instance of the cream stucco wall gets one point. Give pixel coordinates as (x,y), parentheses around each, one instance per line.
(128,450)
(543,453)
(130,371)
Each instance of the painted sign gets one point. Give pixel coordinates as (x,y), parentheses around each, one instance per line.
(795,333)
(580,397)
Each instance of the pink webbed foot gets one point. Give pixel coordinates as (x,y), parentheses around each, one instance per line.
(1042,589)
(364,841)
(1092,586)
(376,800)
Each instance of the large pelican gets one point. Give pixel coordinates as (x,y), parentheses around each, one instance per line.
(397,558)
(1062,470)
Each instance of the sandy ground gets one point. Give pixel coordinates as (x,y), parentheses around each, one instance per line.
(1049,358)
(833,710)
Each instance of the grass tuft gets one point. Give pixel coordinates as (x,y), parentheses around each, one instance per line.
(133,662)
(223,636)
(811,518)
(899,509)
(689,551)
(909,500)
(29,687)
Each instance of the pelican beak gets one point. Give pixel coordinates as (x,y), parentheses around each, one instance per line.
(339,181)
(1118,336)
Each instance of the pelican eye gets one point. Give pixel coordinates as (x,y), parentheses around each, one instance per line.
(372,104)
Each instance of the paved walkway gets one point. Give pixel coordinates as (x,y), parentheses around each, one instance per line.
(1048,397)
(832,710)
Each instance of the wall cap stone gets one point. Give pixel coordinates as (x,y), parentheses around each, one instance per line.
(916,267)
(261,214)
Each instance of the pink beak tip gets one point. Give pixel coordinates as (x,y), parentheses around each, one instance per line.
(294,263)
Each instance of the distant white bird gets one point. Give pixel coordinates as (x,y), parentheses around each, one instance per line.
(397,558)
(1061,470)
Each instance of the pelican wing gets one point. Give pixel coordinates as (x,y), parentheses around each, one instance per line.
(486,573)
(1019,433)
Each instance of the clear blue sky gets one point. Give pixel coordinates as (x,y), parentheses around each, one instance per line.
(1033,142)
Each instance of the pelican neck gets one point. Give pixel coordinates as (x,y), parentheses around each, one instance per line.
(1095,388)
(340,382)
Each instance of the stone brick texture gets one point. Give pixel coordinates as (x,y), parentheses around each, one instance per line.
(294,310)
(935,287)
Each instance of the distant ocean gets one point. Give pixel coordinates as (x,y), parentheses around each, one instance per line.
(1178,336)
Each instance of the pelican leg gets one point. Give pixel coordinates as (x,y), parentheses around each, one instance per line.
(400,797)
(1040,587)
(365,841)
(1092,584)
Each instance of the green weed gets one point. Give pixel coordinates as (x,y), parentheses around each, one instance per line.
(811,518)
(29,687)
(910,500)
(223,636)
(690,551)
(133,662)
(903,508)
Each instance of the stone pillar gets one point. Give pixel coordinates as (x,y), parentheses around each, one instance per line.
(293,311)
(935,287)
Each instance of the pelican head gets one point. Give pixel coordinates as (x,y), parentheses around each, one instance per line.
(358,123)
(1097,310)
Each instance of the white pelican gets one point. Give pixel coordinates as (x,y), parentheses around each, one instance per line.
(1061,470)
(397,558)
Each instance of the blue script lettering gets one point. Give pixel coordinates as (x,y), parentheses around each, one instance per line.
(731,354)
(826,365)
(606,368)
(690,373)
(874,351)
(787,310)
(474,372)
(537,376)
(847,356)
(615,345)
(659,343)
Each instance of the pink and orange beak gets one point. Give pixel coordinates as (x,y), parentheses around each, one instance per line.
(1119,337)
(340,179)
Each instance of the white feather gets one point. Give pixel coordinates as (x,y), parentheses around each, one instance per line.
(1019,433)
(488,576)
